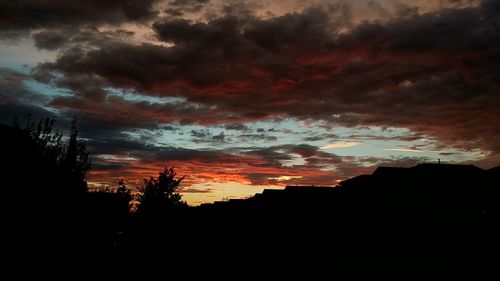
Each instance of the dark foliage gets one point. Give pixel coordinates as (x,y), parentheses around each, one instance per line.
(42,174)
(159,195)
(43,195)
(64,164)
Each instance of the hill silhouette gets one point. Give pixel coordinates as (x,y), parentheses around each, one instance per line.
(430,221)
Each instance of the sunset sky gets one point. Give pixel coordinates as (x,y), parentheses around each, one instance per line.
(246,95)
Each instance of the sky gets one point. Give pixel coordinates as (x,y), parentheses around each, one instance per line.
(246,95)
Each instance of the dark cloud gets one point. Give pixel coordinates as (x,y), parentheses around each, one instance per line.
(99,130)
(491,8)
(115,144)
(311,30)
(276,155)
(184,3)
(28,15)
(203,133)
(180,30)
(134,159)
(321,137)
(170,128)
(219,138)
(237,127)
(177,8)
(16,99)
(312,171)
(205,136)
(23,113)
(87,87)
(183,154)
(200,47)
(434,73)
(257,137)
(53,39)
(102,165)
(271,155)
(50,40)
(446,153)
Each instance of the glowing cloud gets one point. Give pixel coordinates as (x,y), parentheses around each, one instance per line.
(340,144)
(285,178)
(403,150)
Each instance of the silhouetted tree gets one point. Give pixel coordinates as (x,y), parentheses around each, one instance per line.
(158,195)
(121,186)
(124,193)
(75,161)
(65,165)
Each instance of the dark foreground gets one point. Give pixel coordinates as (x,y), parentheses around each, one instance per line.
(422,223)
(427,222)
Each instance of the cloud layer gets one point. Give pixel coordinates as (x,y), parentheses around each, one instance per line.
(432,71)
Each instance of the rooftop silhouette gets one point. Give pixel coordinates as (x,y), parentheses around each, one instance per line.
(431,179)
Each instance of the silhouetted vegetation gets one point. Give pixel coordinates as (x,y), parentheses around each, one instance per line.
(158,195)
(44,172)
(66,164)
(43,196)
